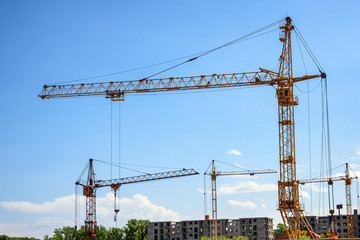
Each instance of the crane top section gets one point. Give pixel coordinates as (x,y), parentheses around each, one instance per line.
(141,178)
(247,172)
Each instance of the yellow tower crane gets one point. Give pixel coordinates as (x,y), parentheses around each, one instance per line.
(214,174)
(91,185)
(330,180)
(283,80)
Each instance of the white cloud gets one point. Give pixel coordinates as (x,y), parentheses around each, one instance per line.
(357,151)
(304,194)
(315,188)
(263,205)
(141,207)
(39,228)
(58,205)
(238,165)
(352,174)
(201,190)
(235,152)
(355,174)
(246,204)
(246,187)
(41,220)
(354,165)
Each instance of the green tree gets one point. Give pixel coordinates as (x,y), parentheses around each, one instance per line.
(136,229)
(280,229)
(115,234)
(58,234)
(69,233)
(4,237)
(102,233)
(225,238)
(66,233)
(240,238)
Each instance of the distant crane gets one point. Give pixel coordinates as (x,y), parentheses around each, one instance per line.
(91,185)
(214,174)
(283,81)
(330,180)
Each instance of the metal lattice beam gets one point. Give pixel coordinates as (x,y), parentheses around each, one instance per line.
(142,178)
(117,90)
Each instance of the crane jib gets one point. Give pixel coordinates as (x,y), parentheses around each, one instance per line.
(116,90)
(142,178)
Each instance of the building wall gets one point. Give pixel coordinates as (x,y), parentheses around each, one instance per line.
(253,228)
(322,224)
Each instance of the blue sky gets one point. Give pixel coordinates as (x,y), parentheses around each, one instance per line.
(47,143)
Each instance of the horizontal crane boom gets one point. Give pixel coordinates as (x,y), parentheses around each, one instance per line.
(116,90)
(141,178)
(326,179)
(247,172)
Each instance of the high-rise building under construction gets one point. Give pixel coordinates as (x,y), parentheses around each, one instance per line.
(253,228)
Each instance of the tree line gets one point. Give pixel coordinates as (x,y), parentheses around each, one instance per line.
(133,230)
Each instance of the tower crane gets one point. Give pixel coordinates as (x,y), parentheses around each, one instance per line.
(214,174)
(330,180)
(283,81)
(91,185)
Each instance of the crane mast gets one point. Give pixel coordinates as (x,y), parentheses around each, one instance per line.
(348,203)
(91,185)
(213,201)
(288,186)
(89,190)
(213,174)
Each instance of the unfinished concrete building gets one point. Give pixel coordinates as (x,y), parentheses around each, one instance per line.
(322,224)
(253,228)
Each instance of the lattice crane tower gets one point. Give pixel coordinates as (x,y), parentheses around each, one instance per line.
(214,174)
(91,185)
(330,180)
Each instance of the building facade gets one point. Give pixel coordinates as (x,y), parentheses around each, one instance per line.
(322,224)
(253,228)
